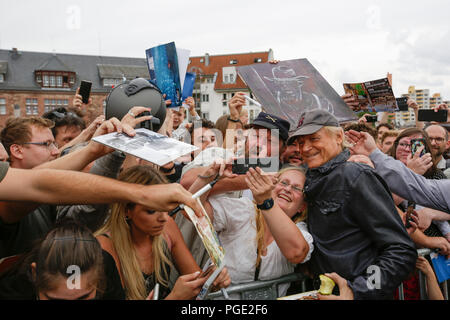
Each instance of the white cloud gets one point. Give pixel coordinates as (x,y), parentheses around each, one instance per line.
(347,41)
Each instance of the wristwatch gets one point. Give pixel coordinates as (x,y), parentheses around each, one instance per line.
(266,205)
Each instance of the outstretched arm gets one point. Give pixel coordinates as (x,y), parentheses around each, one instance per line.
(401,180)
(70,187)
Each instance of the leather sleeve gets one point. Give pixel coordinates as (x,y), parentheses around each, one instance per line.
(377,216)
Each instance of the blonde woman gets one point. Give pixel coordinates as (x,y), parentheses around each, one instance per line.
(266,238)
(147,244)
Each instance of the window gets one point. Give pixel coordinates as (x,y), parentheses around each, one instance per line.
(59,81)
(234,61)
(231,78)
(2,106)
(52,81)
(110,82)
(31,107)
(225,79)
(46,81)
(224,103)
(205,97)
(52,104)
(257,60)
(2,77)
(39,78)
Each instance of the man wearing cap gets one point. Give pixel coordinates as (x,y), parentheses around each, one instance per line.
(267,138)
(360,239)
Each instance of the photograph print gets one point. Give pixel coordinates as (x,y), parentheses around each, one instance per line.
(162,62)
(148,145)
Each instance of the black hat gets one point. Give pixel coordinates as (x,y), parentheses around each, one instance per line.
(312,121)
(270,121)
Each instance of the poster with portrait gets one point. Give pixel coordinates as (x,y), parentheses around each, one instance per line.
(212,245)
(374,96)
(162,62)
(148,145)
(289,88)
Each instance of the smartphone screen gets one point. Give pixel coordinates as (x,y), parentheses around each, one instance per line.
(416,144)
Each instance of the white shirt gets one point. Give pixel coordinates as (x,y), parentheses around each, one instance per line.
(234,221)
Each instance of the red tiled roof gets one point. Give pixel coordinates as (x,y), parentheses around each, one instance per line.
(217,62)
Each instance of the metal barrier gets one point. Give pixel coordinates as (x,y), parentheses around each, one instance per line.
(259,290)
(268,290)
(422,281)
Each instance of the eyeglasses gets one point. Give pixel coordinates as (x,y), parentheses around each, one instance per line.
(294,187)
(48,144)
(439,140)
(405,145)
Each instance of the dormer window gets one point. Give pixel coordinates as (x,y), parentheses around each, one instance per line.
(54,79)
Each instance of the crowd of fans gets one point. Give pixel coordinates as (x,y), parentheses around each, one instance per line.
(339,205)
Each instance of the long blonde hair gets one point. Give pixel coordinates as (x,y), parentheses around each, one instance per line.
(119,229)
(260,225)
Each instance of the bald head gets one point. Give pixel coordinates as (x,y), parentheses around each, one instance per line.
(439,139)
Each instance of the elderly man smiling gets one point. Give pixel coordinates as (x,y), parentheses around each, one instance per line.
(361,241)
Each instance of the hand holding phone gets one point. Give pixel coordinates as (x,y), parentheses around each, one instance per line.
(416,144)
(85,91)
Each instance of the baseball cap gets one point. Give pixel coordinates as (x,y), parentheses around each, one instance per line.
(271,121)
(312,121)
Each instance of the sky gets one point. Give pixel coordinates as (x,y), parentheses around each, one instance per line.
(346,41)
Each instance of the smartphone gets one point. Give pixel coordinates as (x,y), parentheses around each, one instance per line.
(409,212)
(372,118)
(85,91)
(401,103)
(416,144)
(431,115)
(242,165)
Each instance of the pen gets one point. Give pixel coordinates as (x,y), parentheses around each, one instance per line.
(251,100)
(156,292)
(196,195)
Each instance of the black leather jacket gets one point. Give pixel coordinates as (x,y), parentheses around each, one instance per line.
(355,225)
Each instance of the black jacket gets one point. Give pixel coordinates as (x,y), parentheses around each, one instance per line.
(356,228)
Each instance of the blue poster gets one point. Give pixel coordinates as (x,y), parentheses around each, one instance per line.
(188,87)
(162,62)
(441,267)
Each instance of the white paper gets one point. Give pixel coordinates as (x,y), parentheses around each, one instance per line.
(148,145)
(183,62)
